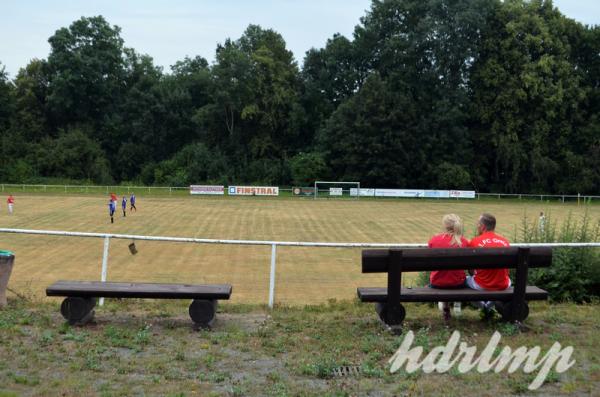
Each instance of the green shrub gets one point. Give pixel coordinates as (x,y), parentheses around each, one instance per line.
(575,271)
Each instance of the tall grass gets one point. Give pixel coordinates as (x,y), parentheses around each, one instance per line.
(575,271)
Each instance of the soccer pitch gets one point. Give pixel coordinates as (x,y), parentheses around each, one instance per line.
(304,274)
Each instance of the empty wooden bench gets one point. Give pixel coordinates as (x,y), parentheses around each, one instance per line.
(78,307)
(511,303)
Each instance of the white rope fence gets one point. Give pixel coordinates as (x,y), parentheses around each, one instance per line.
(272,244)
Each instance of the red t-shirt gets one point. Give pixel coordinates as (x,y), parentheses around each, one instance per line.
(10,200)
(446,278)
(492,279)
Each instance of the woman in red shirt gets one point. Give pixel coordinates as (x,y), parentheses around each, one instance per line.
(451,237)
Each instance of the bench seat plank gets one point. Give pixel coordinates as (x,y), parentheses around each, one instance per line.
(138,290)
(426,294)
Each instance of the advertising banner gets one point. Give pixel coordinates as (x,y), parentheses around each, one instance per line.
(207,189)
(303,191)
(363,192)
(399,192)
(462,194)
(437,193)
(335,191)
(253,191)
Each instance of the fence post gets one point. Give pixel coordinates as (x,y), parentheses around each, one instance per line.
(104,264)
(272,278)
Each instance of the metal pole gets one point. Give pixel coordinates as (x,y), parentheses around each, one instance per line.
(104,264)
(272,279)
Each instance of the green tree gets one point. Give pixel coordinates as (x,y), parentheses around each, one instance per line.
(527,94)
(305,168)
(73,155)
(254,115)
(86,73)
(371,137)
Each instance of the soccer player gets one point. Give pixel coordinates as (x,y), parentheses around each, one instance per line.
(132,203)
(11,202)
(111,210)
(124,206)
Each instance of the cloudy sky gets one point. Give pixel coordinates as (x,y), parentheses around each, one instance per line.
(170,30)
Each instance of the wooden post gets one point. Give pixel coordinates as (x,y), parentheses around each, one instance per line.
(518,304)
(394,276)
(6,266)
(393,313)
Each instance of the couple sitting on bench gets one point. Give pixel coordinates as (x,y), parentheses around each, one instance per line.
(483,279)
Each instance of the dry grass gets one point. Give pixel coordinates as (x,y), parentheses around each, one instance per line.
(304,275)
(149,348)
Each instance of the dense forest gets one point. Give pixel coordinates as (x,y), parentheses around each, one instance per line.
(489,95)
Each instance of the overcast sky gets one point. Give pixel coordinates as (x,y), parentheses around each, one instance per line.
(170,30)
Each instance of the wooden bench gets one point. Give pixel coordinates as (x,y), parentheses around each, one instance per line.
(511,303)
(78,307)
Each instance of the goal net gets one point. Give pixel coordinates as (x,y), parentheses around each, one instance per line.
(326,189)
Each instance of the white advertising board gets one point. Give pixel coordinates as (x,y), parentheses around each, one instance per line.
(437,194)
(207,189)
(363,192)
(462,194)
(399,192)
(335,191)
(253,191)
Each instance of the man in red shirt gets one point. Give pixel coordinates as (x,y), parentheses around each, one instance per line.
(488,279)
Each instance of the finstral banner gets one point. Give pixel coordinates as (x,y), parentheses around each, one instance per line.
(207,189)
(253,191)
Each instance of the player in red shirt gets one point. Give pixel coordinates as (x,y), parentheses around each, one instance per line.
(11,202)
(488,279)
(450,238)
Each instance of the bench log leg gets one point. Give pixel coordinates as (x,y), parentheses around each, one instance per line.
(203,312)
(77,310)
(510,313)
(391,315)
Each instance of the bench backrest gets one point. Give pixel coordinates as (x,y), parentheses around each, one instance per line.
(427,259)
(395,261)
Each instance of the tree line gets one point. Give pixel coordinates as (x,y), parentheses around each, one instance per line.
(489,95)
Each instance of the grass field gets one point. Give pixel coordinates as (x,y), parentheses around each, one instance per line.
(304,275)
(149,349)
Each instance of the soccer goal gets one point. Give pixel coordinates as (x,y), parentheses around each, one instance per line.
(326,189)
